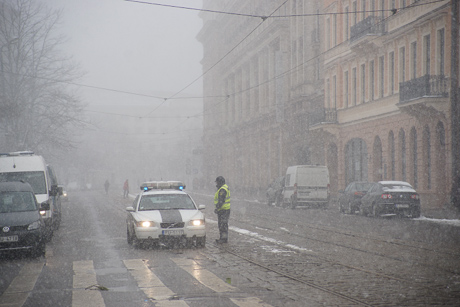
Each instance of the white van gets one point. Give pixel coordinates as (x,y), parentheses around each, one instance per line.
(306,185)
(31,168)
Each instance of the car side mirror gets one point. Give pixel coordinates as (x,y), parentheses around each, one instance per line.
(201,207)
(44,206)
(130,209)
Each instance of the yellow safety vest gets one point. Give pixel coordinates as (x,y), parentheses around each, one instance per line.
(226,205)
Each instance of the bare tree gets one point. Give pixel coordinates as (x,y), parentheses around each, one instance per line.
(38,109)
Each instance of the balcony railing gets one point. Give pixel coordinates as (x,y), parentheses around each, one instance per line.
(423,87)
(323,115)
(371,25)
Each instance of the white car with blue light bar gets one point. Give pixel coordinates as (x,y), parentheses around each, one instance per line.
(163,214)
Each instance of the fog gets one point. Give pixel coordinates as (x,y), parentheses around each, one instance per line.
(134,56)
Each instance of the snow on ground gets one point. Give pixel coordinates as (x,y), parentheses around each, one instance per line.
(440,221)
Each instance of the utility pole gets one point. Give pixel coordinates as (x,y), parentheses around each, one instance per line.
(454,104)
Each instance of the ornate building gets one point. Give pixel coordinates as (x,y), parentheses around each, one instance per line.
(386,71)
(361,86)
(262,75)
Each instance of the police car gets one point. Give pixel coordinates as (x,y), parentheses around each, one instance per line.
(163,214)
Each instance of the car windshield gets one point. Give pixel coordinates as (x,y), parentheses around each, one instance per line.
(17,202)
(35,179)
(166,202)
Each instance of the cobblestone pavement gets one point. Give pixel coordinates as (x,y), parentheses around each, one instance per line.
(327,266)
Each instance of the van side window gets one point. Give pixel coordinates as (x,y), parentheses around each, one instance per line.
(288,180)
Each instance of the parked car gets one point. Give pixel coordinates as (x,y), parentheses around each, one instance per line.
(306,185)
(275,192)
(350,198)
(391,198)
(22,227)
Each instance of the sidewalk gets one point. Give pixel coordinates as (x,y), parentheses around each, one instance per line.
(447,212)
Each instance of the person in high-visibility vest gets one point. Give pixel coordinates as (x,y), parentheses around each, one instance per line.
(222,203)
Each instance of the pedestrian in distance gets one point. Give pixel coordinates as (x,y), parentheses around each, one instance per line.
(125,189)
(222,204)
(106,186)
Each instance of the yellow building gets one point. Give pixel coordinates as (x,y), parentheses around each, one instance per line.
(386,77)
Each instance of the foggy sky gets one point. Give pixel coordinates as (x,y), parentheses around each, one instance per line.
(132,47)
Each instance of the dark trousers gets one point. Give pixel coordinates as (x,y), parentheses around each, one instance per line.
(222,222)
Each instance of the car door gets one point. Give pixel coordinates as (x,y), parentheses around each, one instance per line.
(367,199)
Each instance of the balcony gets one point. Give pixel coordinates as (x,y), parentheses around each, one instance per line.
(323,116)
(428,93)
(323,122)
(372,25)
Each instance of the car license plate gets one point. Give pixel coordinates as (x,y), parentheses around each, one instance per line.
(9,239)
(402,206)
(173,232)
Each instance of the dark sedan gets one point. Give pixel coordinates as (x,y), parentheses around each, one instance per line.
(350,198)
(391,198)
(21,225)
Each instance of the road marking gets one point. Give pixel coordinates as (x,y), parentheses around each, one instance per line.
(203,276)
(151,285)
(249,302)
(17,292)
(85,277)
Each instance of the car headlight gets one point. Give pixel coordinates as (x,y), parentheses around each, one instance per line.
(35,225)
(145,224)
(42,212)
(196,222)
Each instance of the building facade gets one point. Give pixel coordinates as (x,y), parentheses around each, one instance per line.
(386,74)
(262,73)
(361,86)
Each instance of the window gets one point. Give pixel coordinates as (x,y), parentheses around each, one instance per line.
(413,60)
(355,13)
(414,156)
(363,9)
(363,83)
(381,75)
(392,73)
(371,80)
(382,9)
(426,54)
(391,142)
(334,84)
(372,13)
(402,146)
(402,64)
(334,29)
(328,33)
(354,84)
(345,89)
(440,52)
(328,93)
(346,23)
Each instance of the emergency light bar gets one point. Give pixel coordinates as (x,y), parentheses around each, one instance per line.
(162,185)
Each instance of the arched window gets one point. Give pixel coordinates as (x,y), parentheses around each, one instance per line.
(392,151)
(413,143)
(377,160)
(402,147)
(427,155)
(356,161)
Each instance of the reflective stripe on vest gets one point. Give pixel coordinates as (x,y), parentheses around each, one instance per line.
(226,205)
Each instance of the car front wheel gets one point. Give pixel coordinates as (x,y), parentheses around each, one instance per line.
(129,237)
